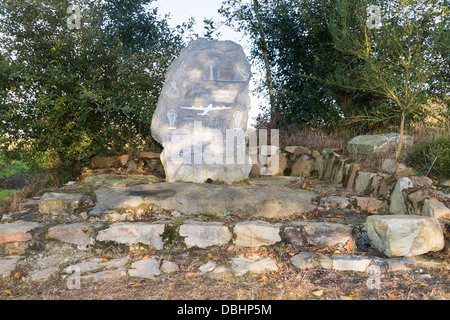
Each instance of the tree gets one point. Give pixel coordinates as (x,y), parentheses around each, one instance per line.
(75,93)
(302,59)
(402,55)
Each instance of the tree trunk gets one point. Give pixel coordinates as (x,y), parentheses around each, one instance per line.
(266,58)
(402,131)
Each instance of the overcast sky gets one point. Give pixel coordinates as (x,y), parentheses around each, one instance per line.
(181,10)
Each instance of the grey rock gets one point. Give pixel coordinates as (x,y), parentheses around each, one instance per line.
(53,203)
(308,260)
(206,85)
(370,205)
(207,267)
(169,267)
(18,231)
(369,144)
(319,234)
(363,180)
(240,266)
(404,236)
(98,269)
(111,180)
(204,234)
(397,201)
(76,233)
(191,198)
(44,275)
(148,269)
(134,233)
(256,233)
(8,265)
(272,181)
(335,202)
(303,166)
(351,263)
(434,208)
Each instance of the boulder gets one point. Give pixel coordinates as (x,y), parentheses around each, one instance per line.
(404,235)
(191,198)
(370,144)
(397,200)
(434,208)
(203,106)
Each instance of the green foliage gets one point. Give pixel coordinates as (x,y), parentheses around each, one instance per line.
(304,61)
(67,95)
(400,60)
(5,193)
(434,154)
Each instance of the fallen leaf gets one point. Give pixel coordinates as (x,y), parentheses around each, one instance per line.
(423,285)
(191,274)
(318,293)
(8,292)
(210,255)
(315,202)
(17,275)
(135,285)
(351,294)
(104,260)
(332,220)
(230,247)
(348,245)
(392,296)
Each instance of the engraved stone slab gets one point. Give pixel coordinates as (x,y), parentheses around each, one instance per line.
(203,105)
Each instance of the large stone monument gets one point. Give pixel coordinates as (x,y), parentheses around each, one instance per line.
(202,114)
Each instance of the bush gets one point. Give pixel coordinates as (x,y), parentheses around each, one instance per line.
(437,151)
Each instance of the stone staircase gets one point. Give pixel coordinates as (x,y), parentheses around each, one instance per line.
(112,226)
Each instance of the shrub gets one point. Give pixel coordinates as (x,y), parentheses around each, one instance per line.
(437,151)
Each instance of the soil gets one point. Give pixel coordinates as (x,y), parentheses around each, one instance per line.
(285,284)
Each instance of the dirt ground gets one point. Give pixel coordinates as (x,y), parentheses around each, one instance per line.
(287,283)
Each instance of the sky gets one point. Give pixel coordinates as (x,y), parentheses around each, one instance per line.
(181,10)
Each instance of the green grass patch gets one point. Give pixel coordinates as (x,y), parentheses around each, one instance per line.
(14,167)
(6,192)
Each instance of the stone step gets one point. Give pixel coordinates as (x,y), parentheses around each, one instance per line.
(186,233)
(394,236)
(187,264)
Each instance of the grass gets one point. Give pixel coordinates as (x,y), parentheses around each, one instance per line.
(9,169)
(5,193)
